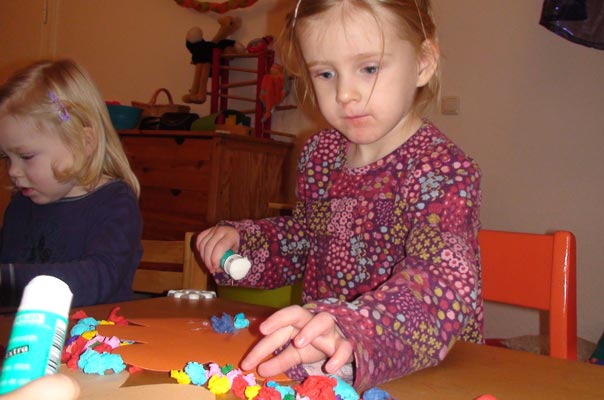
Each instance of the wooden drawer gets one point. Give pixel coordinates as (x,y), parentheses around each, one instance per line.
(167,149)
(191,180)
(186,203)
(174,175)
(170,163)
(161,226)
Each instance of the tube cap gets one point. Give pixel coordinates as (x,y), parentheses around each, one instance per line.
(238,268)
(47,293)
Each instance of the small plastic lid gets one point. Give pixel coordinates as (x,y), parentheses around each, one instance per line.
(47,293)
(238,268)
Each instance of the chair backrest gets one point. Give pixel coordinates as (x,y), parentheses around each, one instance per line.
(169,264)
(535,271)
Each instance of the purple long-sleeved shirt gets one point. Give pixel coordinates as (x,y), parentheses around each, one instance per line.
(389,249)
(92,242)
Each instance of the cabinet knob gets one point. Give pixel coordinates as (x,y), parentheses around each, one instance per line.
(175,192)
(179,139)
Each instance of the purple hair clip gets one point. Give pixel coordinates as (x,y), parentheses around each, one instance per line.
(63,113)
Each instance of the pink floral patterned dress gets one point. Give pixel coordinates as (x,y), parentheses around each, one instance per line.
(389,249)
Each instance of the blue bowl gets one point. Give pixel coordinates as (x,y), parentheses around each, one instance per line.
(124,117)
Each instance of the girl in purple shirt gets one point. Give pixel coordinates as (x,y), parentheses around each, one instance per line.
(384,233)
(74,213)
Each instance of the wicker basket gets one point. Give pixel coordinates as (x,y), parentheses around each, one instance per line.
(152,109)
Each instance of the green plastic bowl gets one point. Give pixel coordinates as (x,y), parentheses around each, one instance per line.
(124,117)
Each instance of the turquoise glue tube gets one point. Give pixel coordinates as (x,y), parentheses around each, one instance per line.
(38,334)
(235,265)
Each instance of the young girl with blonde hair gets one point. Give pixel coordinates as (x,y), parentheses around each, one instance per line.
(74,212)
(384,235)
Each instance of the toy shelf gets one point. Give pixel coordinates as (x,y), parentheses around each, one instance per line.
(221,87)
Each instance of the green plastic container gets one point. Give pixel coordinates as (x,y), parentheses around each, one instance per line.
(124,117)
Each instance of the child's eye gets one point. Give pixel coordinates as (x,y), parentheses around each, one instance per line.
(26,156)
(324,74)
(371,69)
(5,159)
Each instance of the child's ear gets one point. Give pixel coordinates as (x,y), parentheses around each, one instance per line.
(90,141)
(427,62)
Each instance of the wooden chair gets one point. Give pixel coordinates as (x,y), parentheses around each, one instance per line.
(538,272)
(157,274)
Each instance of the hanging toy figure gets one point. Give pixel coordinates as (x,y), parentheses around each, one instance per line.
(201,55)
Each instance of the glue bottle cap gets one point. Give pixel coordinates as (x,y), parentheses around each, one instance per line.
(47,293)
(238,268)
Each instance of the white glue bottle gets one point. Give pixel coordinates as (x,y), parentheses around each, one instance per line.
(38,334)
(235,265)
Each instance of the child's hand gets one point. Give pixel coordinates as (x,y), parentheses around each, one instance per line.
(50,387)
(214,242)
(313,338)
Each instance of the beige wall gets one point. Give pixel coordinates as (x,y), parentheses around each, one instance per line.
(532,115)
(531,105)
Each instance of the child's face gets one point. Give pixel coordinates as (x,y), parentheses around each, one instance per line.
(364,85)
(30,155)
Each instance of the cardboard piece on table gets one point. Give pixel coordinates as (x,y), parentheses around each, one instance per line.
(148,377)
(163,344)
(112,386)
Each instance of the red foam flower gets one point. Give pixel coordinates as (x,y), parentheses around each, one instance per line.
(117,319)
(77,315)
(317,388)
(238,387)
(268,393)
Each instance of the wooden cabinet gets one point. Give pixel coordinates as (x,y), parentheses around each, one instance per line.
(192,179)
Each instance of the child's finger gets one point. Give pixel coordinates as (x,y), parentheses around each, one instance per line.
(316,330)
(285,360)
(267,346)
(50,387)
(202,240)
(295,316)
(213,243)
(341,357)
(202,246)
(323,335)
(223,239)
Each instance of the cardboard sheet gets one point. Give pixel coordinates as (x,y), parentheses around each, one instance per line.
(163,344)
(115,387)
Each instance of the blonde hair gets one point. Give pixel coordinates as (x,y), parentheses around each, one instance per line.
(413,17)
(60,95)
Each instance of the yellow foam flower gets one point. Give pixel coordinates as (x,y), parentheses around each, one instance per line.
(88,335)
(180,376)
(219,384)
(252,391)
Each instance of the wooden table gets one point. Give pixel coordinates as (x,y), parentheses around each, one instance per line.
(470,370)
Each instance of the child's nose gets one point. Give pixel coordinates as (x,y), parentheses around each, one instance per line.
(347,91)
(13,169)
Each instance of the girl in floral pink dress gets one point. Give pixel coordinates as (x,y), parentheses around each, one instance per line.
(384,233)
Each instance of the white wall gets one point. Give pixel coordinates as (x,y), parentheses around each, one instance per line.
(531,104)
(136,46)
(532,114)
